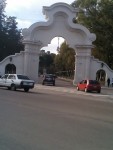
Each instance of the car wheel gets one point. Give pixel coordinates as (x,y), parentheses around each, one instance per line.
(13,88)
(86,90)
(98,91)
(42,83)
(26,89)
(53,84)
(77,88)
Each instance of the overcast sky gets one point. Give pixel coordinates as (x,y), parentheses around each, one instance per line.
(28,12)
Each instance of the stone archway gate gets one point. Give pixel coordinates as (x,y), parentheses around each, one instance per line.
(59,24)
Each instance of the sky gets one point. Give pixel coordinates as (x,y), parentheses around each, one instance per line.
(28,12)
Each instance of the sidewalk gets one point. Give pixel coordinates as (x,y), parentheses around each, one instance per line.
(105,90)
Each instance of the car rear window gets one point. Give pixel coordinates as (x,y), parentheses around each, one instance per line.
(49,76)
(23,77)
(93,82)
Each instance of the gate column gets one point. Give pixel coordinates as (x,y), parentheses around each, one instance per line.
(82,62)
(31,59)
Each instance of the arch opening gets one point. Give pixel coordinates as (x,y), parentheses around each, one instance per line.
(57,52)
(101,76)
(10,69)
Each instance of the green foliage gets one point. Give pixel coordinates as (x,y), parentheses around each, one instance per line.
(65,60)
(46,61)
(2,29)
(10,35)
(97,16)
(2,16)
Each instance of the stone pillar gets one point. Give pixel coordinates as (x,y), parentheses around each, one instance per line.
(31,59)
(82,63)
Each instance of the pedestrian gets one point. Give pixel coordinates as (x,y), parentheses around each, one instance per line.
(108,81)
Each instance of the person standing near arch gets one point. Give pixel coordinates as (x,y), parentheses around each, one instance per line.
(108,82)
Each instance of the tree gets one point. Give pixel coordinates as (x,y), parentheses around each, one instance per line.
(97,16)
(2,16)
(2,29)
(65,59)
(46,61)
(14,37)
(10,35)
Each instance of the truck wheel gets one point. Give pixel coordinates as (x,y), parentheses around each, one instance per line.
(13,88)
(26,89)
(9,88)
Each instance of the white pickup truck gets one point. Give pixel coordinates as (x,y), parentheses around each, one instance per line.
(16,81)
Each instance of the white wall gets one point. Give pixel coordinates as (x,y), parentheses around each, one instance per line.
(17,60)
(96,65)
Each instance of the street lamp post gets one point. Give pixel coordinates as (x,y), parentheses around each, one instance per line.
(58,48)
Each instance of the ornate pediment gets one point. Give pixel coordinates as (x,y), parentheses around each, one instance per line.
(60,8)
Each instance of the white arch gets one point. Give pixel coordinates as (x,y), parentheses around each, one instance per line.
(59,23)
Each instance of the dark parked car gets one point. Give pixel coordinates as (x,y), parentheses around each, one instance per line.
(89,85)
(49,79)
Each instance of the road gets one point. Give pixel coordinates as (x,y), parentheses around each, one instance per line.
(59,82)
(47,119)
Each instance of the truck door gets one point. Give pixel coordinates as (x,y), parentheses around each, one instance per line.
(3,80)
